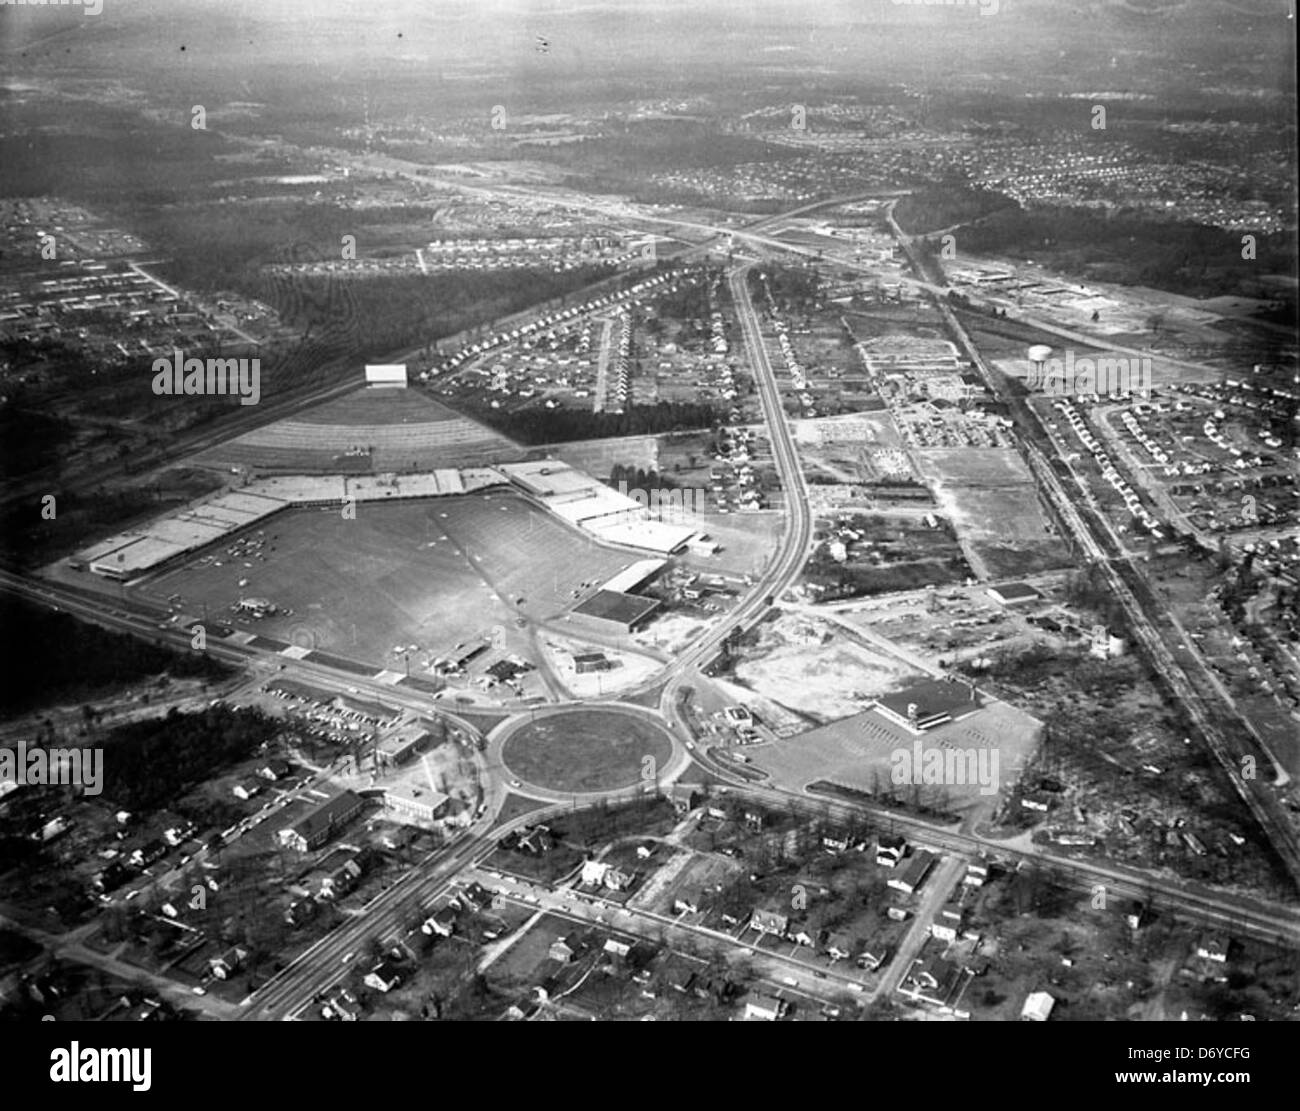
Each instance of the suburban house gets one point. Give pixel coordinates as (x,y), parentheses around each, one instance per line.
(1038,1007)
(688,902)
(914,874)
(473,897)
(300,911)
(947,923)
(835,842)
(594,872)
(889,851)
(870,960)
(564,949)
(342,876)
(685,798)
(841,947)
(110,877)
(148,853)
(618,880)
(176,830)
(246,788)
(275,770)
(935,981)
(384,976)
(319,825)
(616,948)
(977,874)
(342,1006)
(769,922)
(443,923)
(764,1008)
(1212,949)
(230,962)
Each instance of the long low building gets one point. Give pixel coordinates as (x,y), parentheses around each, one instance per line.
(638,574)
(129,555)
(571,495)
(616,612)
(590,505)
(317,826)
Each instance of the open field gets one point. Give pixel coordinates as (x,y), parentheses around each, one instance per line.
(1001,512)
(590,750)
(973,466)
(435,573)
(599,457)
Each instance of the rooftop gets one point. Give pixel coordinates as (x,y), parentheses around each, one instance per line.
(610,605)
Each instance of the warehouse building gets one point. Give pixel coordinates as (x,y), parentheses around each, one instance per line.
(614,612)
(1013,594)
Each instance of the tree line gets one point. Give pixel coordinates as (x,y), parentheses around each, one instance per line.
(53,656)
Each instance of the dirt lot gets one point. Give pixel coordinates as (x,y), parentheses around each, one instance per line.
(815,669)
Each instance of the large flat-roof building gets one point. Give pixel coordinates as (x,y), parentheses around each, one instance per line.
(588,504)
(420,803)
(1013,594)
(614,612)
(929,703)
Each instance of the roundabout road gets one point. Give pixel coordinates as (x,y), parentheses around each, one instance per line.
(559,754)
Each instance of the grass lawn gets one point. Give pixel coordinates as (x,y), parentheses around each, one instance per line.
(587,750)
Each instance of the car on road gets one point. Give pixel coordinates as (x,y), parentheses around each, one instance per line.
(515,783)
(199,989)
(348,956)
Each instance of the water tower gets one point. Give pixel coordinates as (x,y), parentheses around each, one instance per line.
(1038,356)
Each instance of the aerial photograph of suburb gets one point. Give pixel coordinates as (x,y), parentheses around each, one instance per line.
(647,510)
